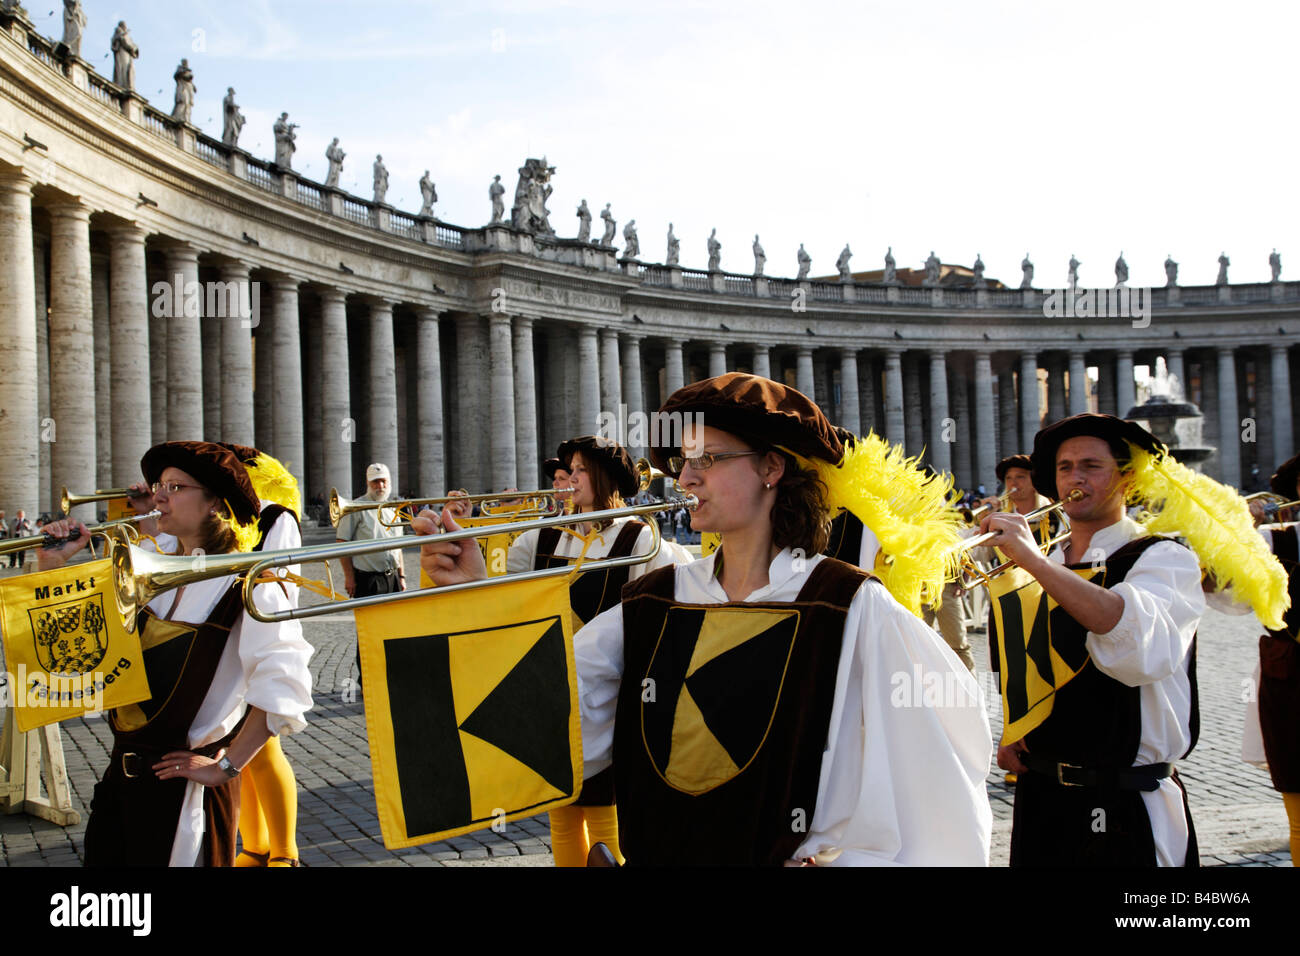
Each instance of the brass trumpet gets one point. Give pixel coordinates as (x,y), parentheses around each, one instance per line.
(140,575)
(406,508)
(122,529)
(1273,502)
(968,577)
(973,516)
(68,501)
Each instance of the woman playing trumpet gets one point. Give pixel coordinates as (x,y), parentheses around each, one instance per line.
(222,682)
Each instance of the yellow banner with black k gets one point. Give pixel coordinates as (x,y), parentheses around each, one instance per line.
(471,708)
(66,650)
(1041,648)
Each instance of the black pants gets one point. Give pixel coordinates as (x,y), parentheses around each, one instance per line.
(368,583)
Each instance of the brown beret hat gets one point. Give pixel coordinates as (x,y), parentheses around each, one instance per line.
(245,453)
(1106,427)
(217,468)
(1014,461)
(1284,479)
(752,406)
(606,454)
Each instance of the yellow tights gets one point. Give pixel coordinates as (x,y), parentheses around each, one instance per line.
(268,808)
(1292,803)
(575,829)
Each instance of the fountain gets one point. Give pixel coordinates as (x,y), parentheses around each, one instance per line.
(1172,419)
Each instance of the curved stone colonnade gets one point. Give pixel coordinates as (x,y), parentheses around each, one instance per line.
(156,284)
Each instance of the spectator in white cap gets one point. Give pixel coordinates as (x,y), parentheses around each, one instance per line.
(380,572)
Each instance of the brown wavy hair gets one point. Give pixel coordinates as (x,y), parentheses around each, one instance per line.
(216,536)
(800,517)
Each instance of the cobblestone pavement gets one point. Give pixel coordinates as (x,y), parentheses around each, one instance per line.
(1239,817)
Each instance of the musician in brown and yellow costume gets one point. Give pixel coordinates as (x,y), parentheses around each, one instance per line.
(751,703)
(222,682)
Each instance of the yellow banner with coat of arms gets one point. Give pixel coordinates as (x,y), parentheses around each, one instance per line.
(66,650)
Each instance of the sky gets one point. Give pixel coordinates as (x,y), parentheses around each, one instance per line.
(1144,127)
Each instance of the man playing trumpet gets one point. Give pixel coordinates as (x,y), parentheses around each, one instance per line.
(1096,778)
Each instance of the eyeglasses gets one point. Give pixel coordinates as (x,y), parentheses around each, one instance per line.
(171,487)
(703,462)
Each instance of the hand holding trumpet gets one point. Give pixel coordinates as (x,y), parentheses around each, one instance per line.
(452,562)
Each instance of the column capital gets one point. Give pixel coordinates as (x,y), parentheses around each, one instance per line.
(1279,348)
(500,318)
(127,231)
(379,304)
(234,270)
(805,350)
(637,337)
(1029,356)
(281,282)
(334,295)
(524,321)
(70,207)
(178,249)
(17,180)
(427,313)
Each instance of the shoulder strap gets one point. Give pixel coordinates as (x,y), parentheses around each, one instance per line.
(267,519)
(626,540)
(833,582)
(657,583)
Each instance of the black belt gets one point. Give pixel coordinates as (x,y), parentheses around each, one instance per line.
(1146,778)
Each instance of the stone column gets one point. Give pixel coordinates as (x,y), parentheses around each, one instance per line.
(40,253)
(850,415)
(1125,393)
(1283,436)
(287,378)
(1208,369)
(20,441)
(1008,429)
(1229,420)
(1055,390)
(985,447)
(942,433)
(383,389)
(575,376)
(611,382)
(913,413)
(264,372)
(1078,383)
(804,372)
(674,373)
(590,377)
(313,385)
(433,469)
(1106,385)
(1175,367)
(237,359)
(1030,413)
(959,408)
(159,288)
(762,362)
(184,345)
(633,393)
(338,429)
(717,359)
(894,420)
(103,350)
(469,466)
(129,307)
(210,335)
(867,384)
(528,471)
(72,352)
(501,414)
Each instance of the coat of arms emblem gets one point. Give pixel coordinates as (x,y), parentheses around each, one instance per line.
(71,636)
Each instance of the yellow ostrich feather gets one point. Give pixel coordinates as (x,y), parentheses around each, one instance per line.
(906,509)
(273,482)
(1215,521)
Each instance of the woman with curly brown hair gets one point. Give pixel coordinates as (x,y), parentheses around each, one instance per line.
(768,704)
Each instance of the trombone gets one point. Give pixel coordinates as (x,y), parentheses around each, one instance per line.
(68,500)
(140,575)
(962,550)
(121,529)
